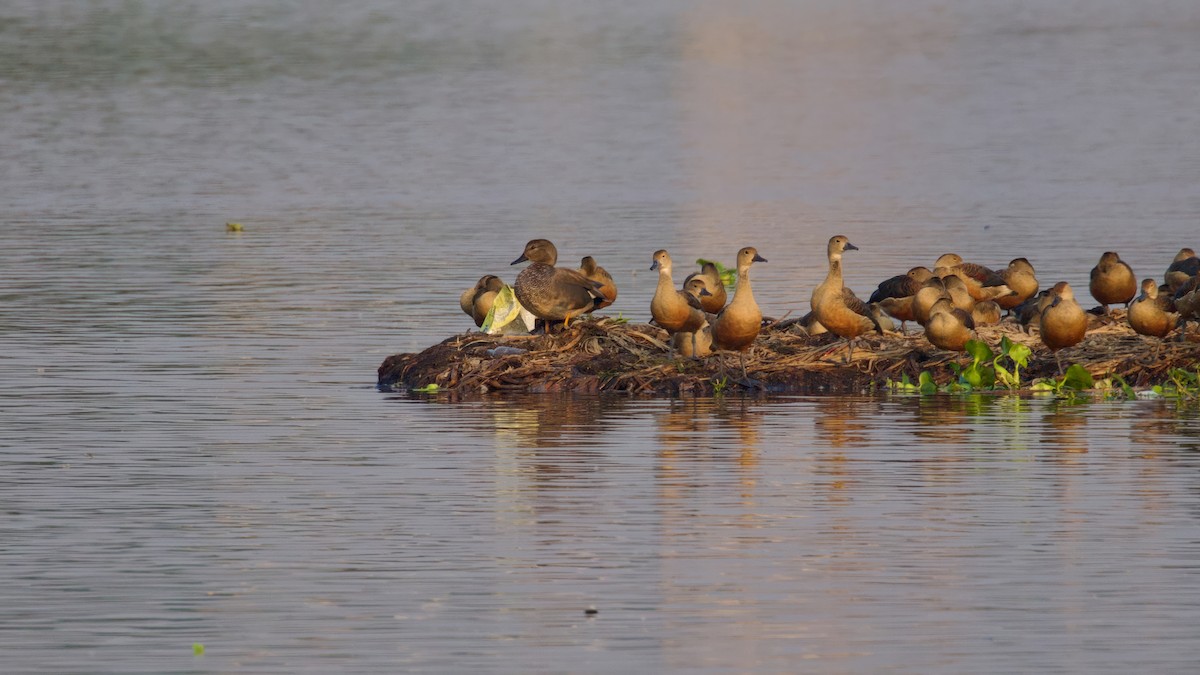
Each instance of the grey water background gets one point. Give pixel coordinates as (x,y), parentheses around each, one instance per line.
(192,449)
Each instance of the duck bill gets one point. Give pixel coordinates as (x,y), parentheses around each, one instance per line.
(519,260)
(653,265)
(704,292)
(758,258)
(851,247)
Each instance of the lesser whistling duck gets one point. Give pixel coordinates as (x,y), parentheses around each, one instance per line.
(948,327)
(1151,314)
(986,313)
(477,300)
(736,327)
(982,282)
(842,314)
(1021,278)
(959,292)
(608,287)
(714,302)
(1112,281)
(1185,265)
(553,293)
(933,289)
(1063,322)
(895,295)
(1029,313)
(674,310)
(697,343)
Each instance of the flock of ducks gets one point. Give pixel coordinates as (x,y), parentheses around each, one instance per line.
(949,301)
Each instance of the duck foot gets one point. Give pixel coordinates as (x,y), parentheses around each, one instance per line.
(751,383)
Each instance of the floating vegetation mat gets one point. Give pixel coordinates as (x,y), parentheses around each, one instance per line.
(607,355)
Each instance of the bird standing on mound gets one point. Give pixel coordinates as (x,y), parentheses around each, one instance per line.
(840,312)
(1151,314)
(949,327)
(1063,322)
(553,293)
(736,327)
(674,310)
(1019,276)
(1112,281)
(896,295)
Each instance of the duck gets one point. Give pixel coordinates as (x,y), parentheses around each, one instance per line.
(608,287)
(1150,313)
(1063,321)
(477,300)
(948,327)
(714,301)
(1112,281)
(736,327)
(841,313)
(933,289)
(553,293)
(1185,265)
(674,310)
(697,343)
(895,295)
(1022,279)
(959,292)
(986,313)
(1029,313)
(982,282)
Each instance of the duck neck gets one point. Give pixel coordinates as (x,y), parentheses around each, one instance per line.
(665,283)
(743,294)
(835,268)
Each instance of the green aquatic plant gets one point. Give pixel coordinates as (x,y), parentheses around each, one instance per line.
(427,389)
(728,276)
(1075,380)
(234,227)
(1018,356)
(719,385)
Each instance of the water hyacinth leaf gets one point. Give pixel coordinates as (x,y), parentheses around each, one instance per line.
(1078,378)
(979,351)
(728,276)
(926,384)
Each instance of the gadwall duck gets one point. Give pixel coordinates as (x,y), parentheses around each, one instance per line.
(1185,265)
(1112,281)
(1063,322)
(673,310)
(842,314)
(1150,313)
(608,287)
(1021,278)
(735,328)
(714,302)
(697,343)
(553,293)
(895,295)
(982,282)
(477,300)
(948,327)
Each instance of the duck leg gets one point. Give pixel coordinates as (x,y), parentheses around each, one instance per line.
(1058,360)
(849,349)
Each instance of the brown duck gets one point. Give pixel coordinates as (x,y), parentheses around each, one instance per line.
(931,291)
(1063,322)
(841,313)
(714,302)
(986,313)
(1020,277)
(674,310)
(608,287)
(552,293)
(1112,281)
(697,343)
(983,283)
(1184,266)
(1151,314)
(959,292)
(948,327)
(477,300)
(735,328)
(1029,313)
(895,295)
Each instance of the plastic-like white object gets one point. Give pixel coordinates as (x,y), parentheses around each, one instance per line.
(507,316)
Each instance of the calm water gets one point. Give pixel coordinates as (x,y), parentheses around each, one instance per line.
(192,449)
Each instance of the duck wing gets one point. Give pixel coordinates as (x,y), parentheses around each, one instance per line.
(984,275)
(854,304)
(899,286)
